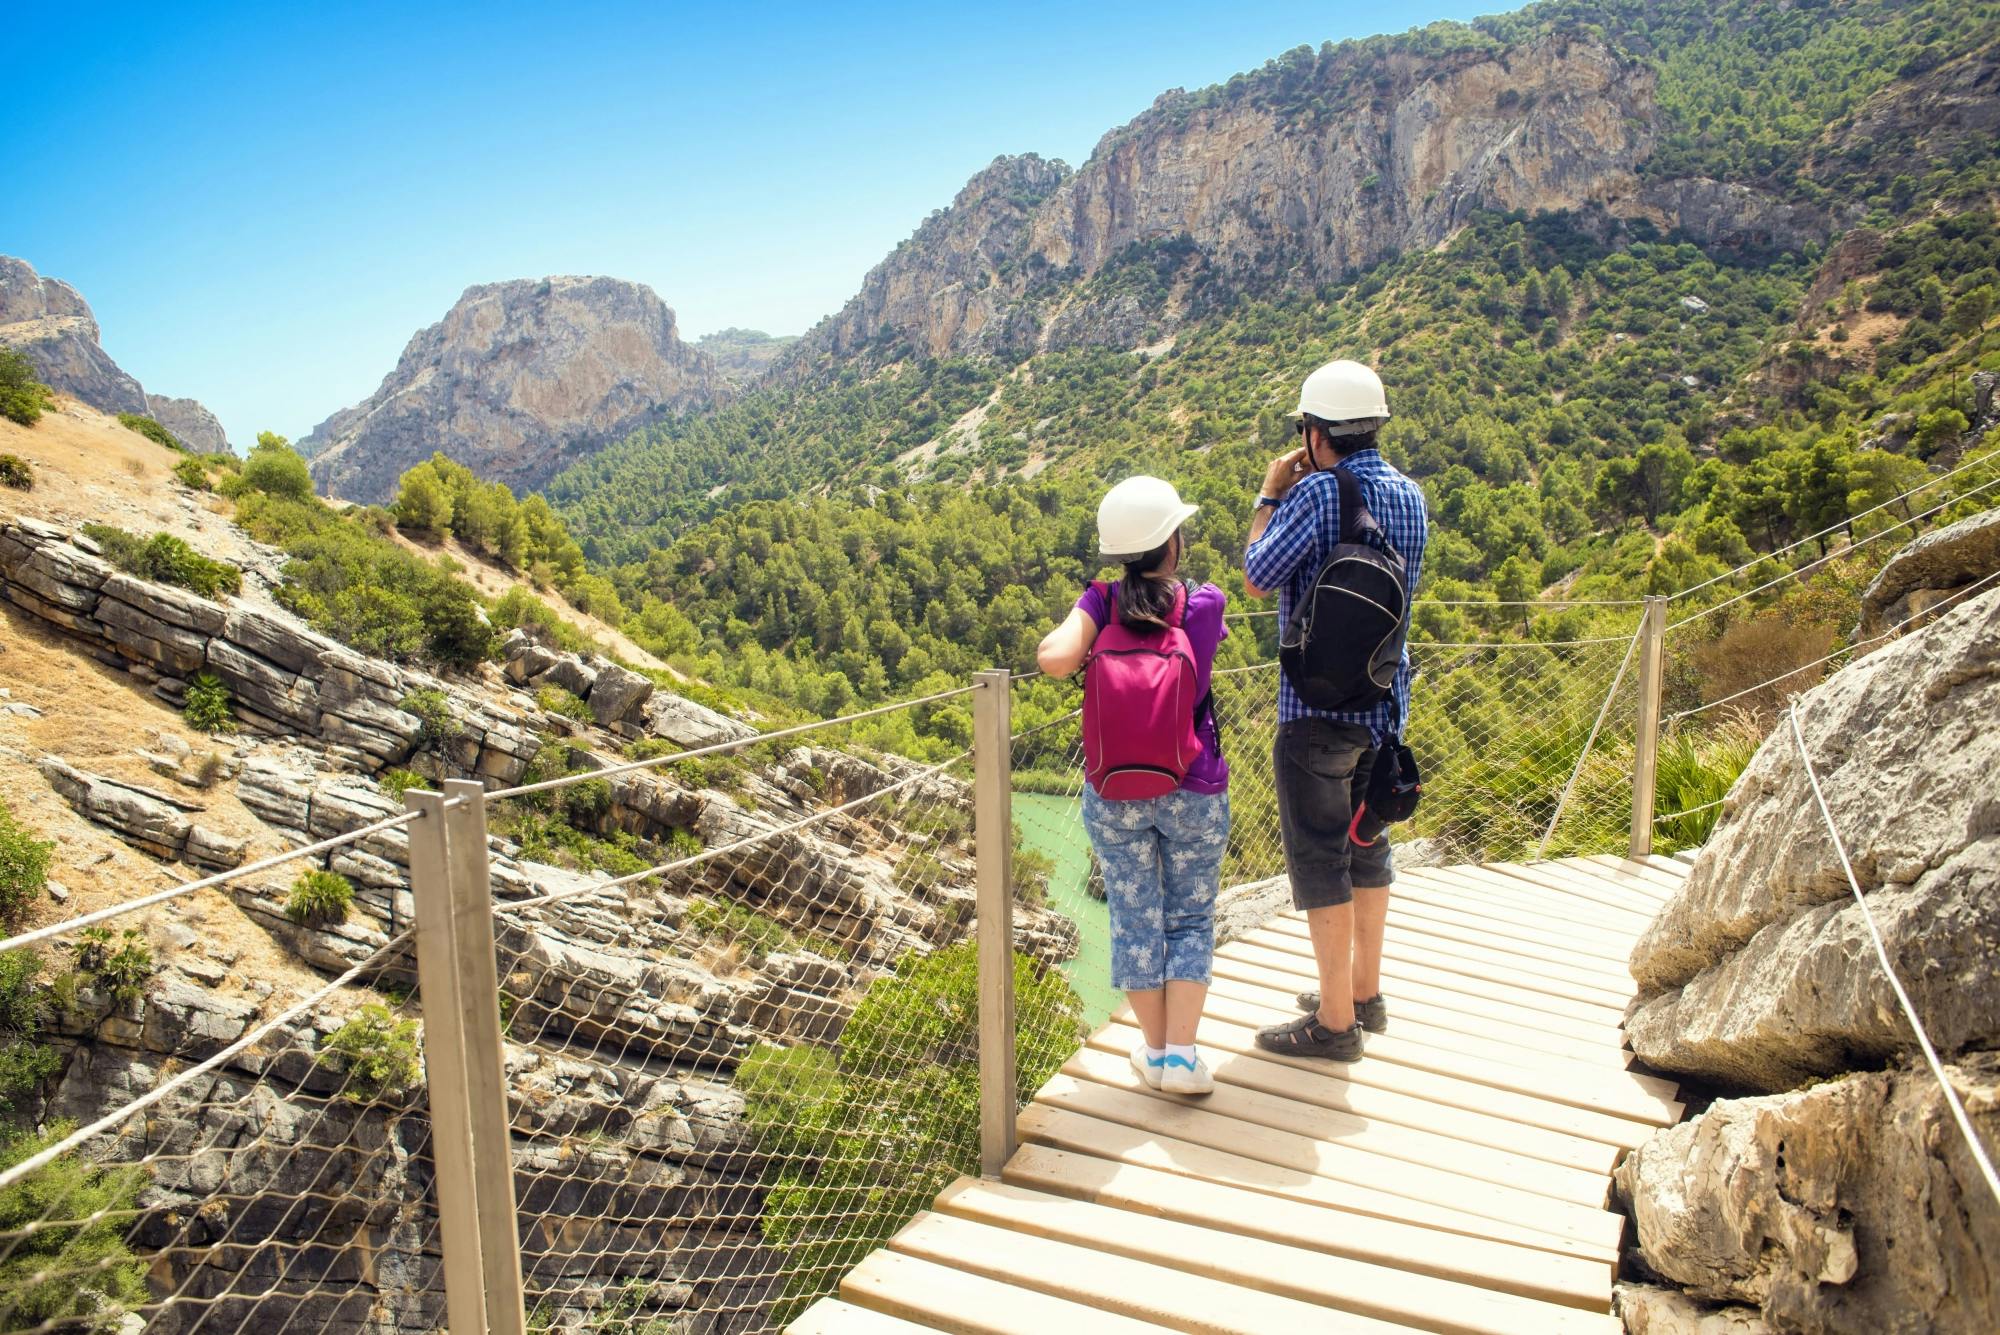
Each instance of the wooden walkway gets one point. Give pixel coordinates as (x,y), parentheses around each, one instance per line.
(1455,1179)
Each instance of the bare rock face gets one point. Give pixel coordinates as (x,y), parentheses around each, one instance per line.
(1932,570)
(51,322)
(1759,973)
(516,382)
(193,425)
(1848,1206)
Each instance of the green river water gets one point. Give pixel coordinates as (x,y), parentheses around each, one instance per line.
(1054,826)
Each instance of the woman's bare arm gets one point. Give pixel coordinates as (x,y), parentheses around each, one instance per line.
(1063,649)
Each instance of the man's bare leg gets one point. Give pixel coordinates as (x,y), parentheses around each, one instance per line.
(1333,947)
(1371,917)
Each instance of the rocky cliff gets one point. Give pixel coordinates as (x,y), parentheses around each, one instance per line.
(1841,1197)
(51,322)
(518,380)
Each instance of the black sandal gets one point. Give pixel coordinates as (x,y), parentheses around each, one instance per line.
(1372,1014)
(1307,1037)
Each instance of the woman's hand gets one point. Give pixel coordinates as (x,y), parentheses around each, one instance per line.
(1285,470)
(1063,649)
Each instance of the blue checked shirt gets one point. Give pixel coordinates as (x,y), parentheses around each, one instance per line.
(1304,530)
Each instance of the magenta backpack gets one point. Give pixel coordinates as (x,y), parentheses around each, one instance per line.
(1139,707)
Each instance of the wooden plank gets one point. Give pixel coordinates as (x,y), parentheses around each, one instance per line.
(1583,883)
(1538,960)
(1410,982)
(1557,894)
(1595,1017)
(1322,1229)
(1544,1055)
(1165,1295)
(1395,1126)
(1640,875)
(1445,1020)
(1673,868)
(1522,1100)
(831,1316)
(1469,961)
(1263,1266)
(1348,1160)
(942,1297)
(1081,1133)
(1609,948)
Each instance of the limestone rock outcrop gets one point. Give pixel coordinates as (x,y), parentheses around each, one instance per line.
(1759,973)
(1936,568)
(517,381)
(51,322)
(146,817)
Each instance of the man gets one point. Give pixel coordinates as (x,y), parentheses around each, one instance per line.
(1322,758)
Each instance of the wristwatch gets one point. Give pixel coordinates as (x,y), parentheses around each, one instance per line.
(1273,501)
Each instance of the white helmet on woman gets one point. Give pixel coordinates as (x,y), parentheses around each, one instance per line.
(1137,515)
(1347,395)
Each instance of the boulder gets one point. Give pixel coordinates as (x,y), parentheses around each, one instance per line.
(685,723)
(142,816)
(617,693)
(1649,1310)
(1758,972)
(1852,1205)
(1931,570)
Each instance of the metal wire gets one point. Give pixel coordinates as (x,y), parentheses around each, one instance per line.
(1951,1098)
(1555,817)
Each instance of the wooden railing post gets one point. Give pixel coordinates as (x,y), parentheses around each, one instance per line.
(478,1003)
(438,988)
(1646,749)
(993,820)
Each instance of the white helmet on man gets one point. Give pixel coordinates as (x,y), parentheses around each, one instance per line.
(1347,395)
(1138,515)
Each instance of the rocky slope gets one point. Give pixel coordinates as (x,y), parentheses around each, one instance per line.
(629,1010)
(741,356)
(1842,1198)
(516,381)
(51,322)
(1301,174)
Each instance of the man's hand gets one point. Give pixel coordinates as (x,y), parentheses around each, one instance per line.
(1285,470)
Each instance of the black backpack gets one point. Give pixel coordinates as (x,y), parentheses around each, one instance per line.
(1345,640)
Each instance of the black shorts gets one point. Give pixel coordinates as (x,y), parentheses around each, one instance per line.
(1319,766)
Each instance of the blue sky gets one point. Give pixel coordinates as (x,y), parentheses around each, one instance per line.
(262,206)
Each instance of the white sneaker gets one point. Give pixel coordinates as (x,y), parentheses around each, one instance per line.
(1179,1078)
(1152,1072)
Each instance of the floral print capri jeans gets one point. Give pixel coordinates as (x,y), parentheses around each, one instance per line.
(1162,863)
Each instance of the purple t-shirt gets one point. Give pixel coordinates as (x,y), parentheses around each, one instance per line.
(1203,623)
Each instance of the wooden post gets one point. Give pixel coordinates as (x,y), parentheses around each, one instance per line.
(445,1065)
(478,1003)
(1646,749)
(993,812)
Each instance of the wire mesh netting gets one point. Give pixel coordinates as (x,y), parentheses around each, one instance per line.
(217,1153)
(736,1074)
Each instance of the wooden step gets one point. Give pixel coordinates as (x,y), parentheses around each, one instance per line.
(1563,1111)
(1263,1266)
(1588,1019)
(1568,1280)
(831,1316)
(1585,1229)
(1450,1026)
(1164,1295)
(1540,959)
(1323,1108)
(942,1297)
(1268,1165)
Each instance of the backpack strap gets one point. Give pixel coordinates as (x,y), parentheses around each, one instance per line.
(1357,522)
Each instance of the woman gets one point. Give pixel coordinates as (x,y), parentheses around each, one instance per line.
(1161,854)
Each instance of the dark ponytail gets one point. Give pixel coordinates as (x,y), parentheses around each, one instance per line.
(1146,599)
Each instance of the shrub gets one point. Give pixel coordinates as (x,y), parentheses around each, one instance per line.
(918,871)
(191,472)
(556,700)
(24,869)
(275,469)
(586,802)
(15,473)
(378,1052)
(207,705)
(23,397)
(72,1276)
(165,559)
(117,966)
(758,935)
(519,608)
(432,708)
(151,429)
(25,1061)
(319,898)
(396,782)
